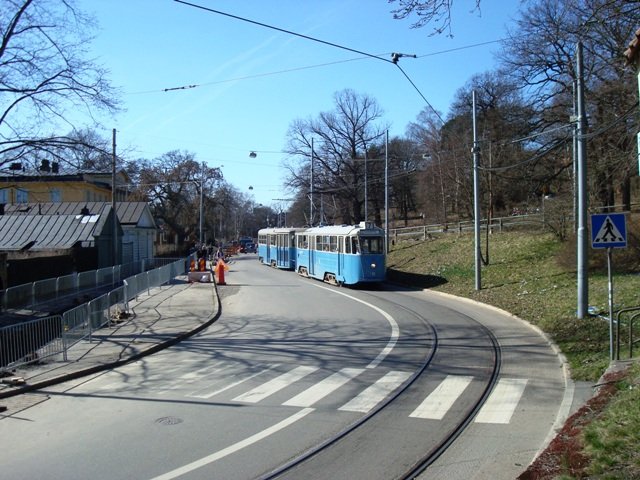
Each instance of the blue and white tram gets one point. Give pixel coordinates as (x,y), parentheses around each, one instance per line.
(346,254)
(276,247)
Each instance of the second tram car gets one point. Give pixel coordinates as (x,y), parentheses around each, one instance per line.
(276,247)
(347,254)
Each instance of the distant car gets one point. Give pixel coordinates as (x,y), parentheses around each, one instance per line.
(250,248)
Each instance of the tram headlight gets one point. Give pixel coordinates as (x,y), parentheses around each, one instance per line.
(373,265)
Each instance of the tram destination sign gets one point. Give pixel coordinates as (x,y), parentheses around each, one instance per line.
(608,230)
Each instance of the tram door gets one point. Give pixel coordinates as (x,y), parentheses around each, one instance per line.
(270,239)
(282,249)
(312,254)
(340,256)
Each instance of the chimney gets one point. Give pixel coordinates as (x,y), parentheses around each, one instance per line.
(44,166)
(55,167)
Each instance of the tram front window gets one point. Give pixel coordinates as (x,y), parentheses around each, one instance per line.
(371,245)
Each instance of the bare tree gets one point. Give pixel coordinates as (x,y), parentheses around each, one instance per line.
(540,56)
(173,184)
(45,79)
(428,11)
(341,137)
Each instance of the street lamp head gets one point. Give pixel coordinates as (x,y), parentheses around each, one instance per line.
(253,154)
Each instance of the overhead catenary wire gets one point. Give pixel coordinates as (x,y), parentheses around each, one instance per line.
(283,30)
(393,61)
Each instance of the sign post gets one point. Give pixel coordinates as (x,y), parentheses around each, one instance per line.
(609,231)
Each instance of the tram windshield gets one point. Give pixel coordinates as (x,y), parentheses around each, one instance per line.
(368,245)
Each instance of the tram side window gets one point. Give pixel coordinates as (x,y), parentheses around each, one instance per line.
(323,243)
(303,241)
(355,248)
(333,243)
(262,239)
(347,244)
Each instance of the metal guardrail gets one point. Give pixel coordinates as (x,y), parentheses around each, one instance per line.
(31,295)
(634,313)
(499,224)
(34,340)
(30,341)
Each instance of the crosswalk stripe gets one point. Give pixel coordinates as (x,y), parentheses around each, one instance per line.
(502,402)
(272,386)
(375,393)
(206,393)
(438,403)
(321,389)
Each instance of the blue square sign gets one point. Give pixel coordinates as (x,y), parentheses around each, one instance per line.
(608,230)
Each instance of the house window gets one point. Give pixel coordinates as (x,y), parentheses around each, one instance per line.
(56,195)
(22,196)
(4,195)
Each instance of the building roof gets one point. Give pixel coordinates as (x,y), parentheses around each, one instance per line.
(49,232)
(632,54)
(130,214)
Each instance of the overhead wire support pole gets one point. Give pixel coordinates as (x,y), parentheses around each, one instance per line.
(366,202)
(201,200)
(311,188)
(581,232)
(476,200)
(386,192)
(113,199)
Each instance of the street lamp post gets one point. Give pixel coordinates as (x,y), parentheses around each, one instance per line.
(201,200)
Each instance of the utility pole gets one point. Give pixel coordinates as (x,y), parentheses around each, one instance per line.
(311,189)
(476,199)
(201,200)
(113,199)
(386,192)
(581,237)
(366,212)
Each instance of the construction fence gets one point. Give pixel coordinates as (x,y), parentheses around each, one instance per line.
(34,340)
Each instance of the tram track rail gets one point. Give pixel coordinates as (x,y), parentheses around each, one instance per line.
(422,463)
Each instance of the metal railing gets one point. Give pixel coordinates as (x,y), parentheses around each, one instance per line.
(37,339)
(633,313)
(32,295)
(30,341)
(498,224)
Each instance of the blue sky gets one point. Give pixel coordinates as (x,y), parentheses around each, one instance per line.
(253,82)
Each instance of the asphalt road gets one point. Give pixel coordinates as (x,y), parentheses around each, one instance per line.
(290,363)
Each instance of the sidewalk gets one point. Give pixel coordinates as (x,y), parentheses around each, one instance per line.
(164,317)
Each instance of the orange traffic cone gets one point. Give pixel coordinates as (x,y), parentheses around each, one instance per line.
(220,268)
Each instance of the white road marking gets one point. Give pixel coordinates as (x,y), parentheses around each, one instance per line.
(438,403)
(375,393)
(206,394)
(321,389)
(235,447)
(272,386)
(186,379)
(502,402)
(395,330)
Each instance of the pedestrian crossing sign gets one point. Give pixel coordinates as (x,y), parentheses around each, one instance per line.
(608,230)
